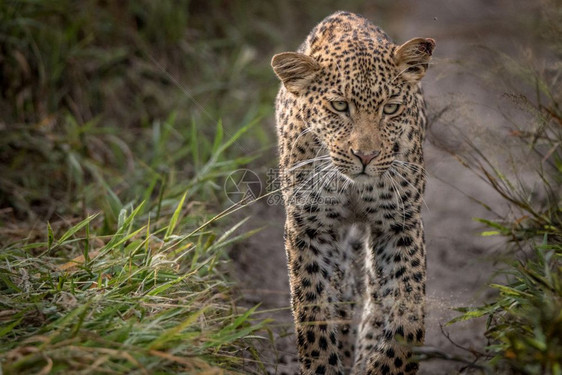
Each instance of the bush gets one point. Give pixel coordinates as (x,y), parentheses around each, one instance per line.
(524,320)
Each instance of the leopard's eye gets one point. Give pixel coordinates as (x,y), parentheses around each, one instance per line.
(391,108)
(340,105)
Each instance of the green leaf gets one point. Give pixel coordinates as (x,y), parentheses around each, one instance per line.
(118,237)
(122,217)
(57,327)
(8,328)
(174,219)
(50,236)
(69,233)
(5,278)
(235,331)
(162,288)
(502,229)
(509,291)
(490,233)
(171,333)
(468,315)
(218,137)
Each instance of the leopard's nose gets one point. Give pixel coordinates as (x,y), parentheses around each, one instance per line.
(365,157)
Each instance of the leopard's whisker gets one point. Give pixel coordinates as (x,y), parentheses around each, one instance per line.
(412,186)
(398,197)
(308,161)
(327,179)
(311,178)
(412,166)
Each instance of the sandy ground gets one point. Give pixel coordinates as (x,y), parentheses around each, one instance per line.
(458,258)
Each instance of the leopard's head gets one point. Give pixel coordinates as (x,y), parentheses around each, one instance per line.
(361,98)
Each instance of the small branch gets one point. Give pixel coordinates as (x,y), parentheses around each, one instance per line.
(428,352)
(475,353)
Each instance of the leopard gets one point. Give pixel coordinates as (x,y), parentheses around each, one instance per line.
(351,121)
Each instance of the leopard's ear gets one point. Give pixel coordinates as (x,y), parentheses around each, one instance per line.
(412,58)
(295,70)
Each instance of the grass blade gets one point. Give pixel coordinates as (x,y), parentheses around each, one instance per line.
(174,219)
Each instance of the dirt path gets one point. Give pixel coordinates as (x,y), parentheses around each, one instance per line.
(458,268)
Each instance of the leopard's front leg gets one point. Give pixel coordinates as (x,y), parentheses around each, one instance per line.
(393,316)
(315,279)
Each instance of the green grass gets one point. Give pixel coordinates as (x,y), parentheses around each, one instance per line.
(113,149)
(137,286)
(141,299)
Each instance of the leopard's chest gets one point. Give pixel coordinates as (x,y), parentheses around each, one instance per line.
(377,206)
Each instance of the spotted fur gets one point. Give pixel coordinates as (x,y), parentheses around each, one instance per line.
(351,122)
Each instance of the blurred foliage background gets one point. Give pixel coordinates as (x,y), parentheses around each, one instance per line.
(89,87)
